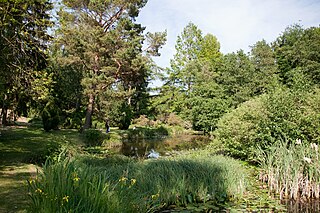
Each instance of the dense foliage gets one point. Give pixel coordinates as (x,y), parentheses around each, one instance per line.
(283,115)
(23,44)
(99,66)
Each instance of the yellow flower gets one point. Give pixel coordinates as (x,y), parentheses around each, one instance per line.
(38,190)
(31,181)
(123,179)
(133,181)
(76,179)
(155,196)
(66,198)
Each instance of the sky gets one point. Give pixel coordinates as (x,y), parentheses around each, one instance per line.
(237,24)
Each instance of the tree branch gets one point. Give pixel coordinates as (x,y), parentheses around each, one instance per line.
(112,19)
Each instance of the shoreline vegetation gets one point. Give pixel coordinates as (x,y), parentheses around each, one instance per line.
(292,170)
(191,180)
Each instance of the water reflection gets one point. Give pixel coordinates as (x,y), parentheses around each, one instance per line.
(309,206)
(141,147)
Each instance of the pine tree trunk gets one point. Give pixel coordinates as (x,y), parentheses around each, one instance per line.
(89,113)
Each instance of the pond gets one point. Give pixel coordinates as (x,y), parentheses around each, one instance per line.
(140,147)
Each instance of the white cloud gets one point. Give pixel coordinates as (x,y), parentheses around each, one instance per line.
(236,23)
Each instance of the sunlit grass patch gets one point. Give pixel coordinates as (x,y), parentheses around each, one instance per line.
(13,190)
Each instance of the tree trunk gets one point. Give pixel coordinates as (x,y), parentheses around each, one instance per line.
(89,113)
(4,112)
(90,107)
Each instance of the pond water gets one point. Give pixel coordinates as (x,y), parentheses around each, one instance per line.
(164,145)
(309,206)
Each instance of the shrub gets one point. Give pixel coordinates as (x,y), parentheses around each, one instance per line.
(174,120)
(93,137)
(50,117)
(237,131)
(51,150)
(281,116)
(125,117)
(73,120)
(143,120)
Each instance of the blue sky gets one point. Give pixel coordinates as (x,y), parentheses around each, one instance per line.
(236,23)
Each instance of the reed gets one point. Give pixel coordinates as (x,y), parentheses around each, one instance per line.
(120,184)
(291,169)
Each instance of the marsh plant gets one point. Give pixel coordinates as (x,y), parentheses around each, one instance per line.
(121,184)
(292,169)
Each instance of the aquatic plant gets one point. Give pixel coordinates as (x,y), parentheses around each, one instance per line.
(291,169)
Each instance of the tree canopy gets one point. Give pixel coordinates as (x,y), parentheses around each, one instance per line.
(98,64)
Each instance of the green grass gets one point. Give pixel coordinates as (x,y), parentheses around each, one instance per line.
(13,190)
(25,145)
(20,149)
(121,184)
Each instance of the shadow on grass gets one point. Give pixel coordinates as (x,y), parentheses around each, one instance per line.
(13,190)
(20,146)
(31,145)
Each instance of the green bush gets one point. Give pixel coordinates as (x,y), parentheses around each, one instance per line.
(51,150)
(281,116)
(50,117)
(93,137)
(73,121)
(237,130)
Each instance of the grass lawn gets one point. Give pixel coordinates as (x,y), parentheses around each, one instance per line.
(20,149)
(13,191)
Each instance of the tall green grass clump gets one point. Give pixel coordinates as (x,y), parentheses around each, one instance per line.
(65,187)
(292,169)
(121,184)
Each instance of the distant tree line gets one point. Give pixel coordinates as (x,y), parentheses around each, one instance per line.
(202,84)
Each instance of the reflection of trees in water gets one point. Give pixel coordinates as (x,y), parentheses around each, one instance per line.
(141,147)
(308,206)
